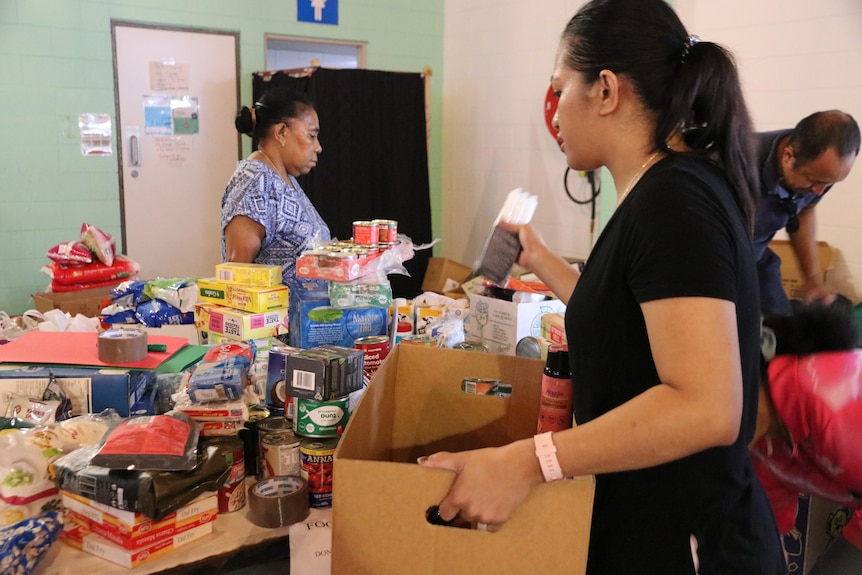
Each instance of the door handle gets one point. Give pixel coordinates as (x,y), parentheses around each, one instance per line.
(134,159)
(134,134)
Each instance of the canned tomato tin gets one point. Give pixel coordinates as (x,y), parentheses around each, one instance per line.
(366,233)
(421,339)
(321,418)
(376,348)
(471,346)
(231,495)
(317,456)
(387,231)
(279,454)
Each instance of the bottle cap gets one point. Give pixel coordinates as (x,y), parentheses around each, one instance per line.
(558,361)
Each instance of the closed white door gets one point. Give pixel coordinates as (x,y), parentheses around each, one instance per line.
(177,93)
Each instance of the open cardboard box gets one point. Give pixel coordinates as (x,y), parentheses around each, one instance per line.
(414,406)
(87,302)
(791,276)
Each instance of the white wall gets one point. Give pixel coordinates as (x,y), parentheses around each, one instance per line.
(795,57)
(498,59)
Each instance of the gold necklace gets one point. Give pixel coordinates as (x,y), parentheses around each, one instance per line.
(271,163)
(636,176)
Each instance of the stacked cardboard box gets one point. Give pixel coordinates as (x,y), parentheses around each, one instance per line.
(243,301)
(130,539)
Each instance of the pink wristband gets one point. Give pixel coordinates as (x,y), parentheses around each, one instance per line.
(546,453)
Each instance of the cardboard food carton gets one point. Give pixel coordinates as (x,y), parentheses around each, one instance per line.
(77,535)
(239,324)
(553,327)
(414,406)
(246,298)
(254,275)
(500,324)
(135,530)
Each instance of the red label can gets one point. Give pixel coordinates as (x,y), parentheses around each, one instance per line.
(317,456)
(366,233)
(376,348)
(387,231)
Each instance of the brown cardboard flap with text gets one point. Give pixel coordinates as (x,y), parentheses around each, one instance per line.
(414,406)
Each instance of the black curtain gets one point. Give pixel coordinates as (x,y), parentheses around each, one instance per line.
(374,163)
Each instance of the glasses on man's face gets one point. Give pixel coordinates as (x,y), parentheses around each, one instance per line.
(788,205)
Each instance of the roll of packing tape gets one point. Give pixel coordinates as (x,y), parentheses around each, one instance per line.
(122,345)
(278,501)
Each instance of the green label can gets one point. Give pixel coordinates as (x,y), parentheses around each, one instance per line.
(320,418)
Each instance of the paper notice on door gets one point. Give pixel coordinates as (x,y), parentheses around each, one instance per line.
(185,110)
(157,115)
(168,76)
(174,150)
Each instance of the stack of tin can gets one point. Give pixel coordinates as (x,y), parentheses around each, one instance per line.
(318,383)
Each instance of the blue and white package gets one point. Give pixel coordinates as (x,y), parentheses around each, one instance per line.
(221,381)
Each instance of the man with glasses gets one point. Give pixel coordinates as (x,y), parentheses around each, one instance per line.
(798,167)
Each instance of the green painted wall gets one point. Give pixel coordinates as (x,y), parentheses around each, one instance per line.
(56,62)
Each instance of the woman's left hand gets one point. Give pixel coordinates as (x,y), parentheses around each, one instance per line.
(489,483)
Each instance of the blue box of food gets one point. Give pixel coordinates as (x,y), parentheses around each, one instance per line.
(91,390)
(313,322)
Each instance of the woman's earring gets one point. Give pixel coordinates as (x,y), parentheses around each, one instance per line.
(282,143)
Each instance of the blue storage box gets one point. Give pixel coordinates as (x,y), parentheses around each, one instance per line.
(91,390)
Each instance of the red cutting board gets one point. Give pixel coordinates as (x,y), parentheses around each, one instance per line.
(79,349)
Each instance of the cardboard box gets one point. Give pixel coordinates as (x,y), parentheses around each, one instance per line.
(818,523)
(135,530)
(87,302)
(414,406)
(791,276)
(239,324)
(553,327)
(313,322)
(246,298)
(77,535)
(91,390)
(254,275)
(323,373)
(500,324)
(444,275)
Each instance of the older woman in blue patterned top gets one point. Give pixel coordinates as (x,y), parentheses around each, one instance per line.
(266,218)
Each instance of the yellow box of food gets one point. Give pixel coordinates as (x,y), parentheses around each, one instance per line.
(246,298)
(239,324)
(255,275)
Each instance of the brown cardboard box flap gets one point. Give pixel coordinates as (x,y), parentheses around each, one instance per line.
(791,276)
(443,274)
(415,406)
(87,302)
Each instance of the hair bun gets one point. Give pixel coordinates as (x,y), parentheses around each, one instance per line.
(245,120)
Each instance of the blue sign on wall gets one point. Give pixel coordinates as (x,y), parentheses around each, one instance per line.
(317,11)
